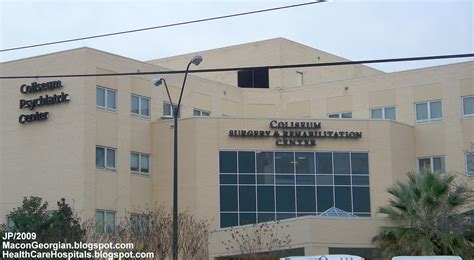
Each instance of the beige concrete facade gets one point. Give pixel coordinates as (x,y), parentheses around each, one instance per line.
(56,157)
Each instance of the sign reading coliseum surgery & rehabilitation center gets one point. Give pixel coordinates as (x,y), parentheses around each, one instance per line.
(41,100)
(297,133)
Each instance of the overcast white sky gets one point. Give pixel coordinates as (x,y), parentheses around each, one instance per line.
(352,29)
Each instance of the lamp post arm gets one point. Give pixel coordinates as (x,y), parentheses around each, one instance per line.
(169,96)
(182,88)
(171,101)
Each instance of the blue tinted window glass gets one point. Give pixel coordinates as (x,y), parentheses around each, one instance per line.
(468,106)
(229,220)
(390,113)
(145,106)
(343,198)
(265,162)
(227,162)
(304,163)
(100,157)
(436,110)
(422,111)
(324,198)
(376,113)
(360,180)
(306,214)
(281,216)
(246,179)
(341,163)
(324,180)
(100,97)
(346,115)
(246,162)
(134,105)
(265,217)
(305,179)
(285,179)
(228,196)
(284,163)
(361,199)
(265,179)
(323,163)
(110,158)
(228,179)
(111,98)
(266,198)
(167,109)
(247,198)
(248,218)
(306,199)
(285,199)
(360,163)
(134,162)
(342,180)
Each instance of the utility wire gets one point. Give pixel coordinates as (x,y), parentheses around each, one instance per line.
(339,63)
(161,26)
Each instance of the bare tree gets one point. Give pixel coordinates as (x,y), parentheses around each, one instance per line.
(151,231)
(262,241)
(193,237)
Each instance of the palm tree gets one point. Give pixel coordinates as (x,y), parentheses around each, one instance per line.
(428,218)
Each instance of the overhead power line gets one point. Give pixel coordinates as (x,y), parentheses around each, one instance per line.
(161,26)
(339,63)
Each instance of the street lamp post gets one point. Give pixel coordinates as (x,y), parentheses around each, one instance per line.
(157,82)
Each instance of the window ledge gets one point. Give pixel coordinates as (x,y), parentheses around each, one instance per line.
(386,119)
(104,109)
(140,116)
(140,174)
(468,117)
(432,121)
(105,169)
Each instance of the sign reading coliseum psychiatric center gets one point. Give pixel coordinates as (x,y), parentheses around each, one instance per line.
(295,133)
(41,100)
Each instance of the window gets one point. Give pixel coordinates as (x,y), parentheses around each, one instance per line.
(104,221)
(254,78)
(246,162)
(470,164)
(168,111)
(432,164)
(265,162)
(200,112)
(50,213)
(341,115)
(261,186)
(299,78)
(106,98)
(429,111)
(304,162)
(140,106)
(383,113)
(140,224)
(10,224)
(105,158)
(323,163)
(228,162)
(284,162)
(468,106)
(140,163)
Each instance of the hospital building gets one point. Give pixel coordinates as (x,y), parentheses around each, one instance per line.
(312,147)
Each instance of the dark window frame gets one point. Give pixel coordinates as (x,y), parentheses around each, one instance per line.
(253,78)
